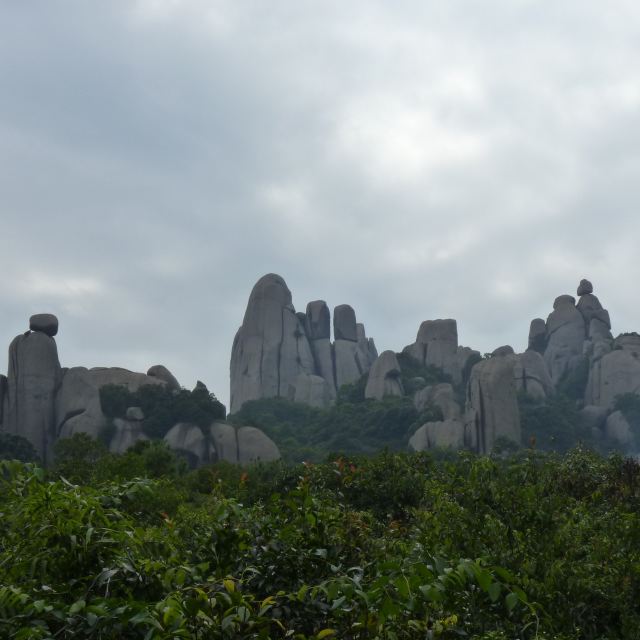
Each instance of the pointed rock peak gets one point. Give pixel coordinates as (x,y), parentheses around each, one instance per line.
(271,287)
(318,320)
(45,323)
(584,287)
(344,323)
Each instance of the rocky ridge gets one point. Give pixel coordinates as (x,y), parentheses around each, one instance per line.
(43,402)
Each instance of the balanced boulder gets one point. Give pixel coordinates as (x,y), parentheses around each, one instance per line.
(162,373)
(44,322)
(344,323)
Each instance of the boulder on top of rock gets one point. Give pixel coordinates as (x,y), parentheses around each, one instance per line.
(344,323)
(162,373)
(45,323)
(126,434)
(34,376)
(384,377)
(537,335)
(437,345)
(589,306)
(318,320)
(564,301)
(585,288)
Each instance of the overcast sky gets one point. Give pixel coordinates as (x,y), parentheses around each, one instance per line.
(415,159)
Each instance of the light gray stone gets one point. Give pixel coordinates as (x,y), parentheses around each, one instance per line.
(348,367)
(311,390)
(447,434)
(538,335)
(531,375)
(613,374)
(492,406)
(367,353)
(225,442)
(618,429)
(189,440)
(505,350)
(599,330)
(566,333)
(135,414)
(255,446)
(77,403)
(126,434)
(323,356)
(589,306)
(441,396)
(318,320)
(585,288)
(628,342)
(33,377)
(271,347)
(162,373)
(44,322)
(384,377)
(344,323)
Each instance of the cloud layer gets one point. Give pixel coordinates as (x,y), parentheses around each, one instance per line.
(416,160)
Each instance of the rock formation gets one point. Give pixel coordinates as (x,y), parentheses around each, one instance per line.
(384,377)
(162,373)
(441,396)
(532,376)
(492,405)
(447,434)
(33,378)
(276,349)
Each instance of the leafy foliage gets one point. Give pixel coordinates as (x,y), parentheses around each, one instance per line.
(16,448)
(393,547)
(162,407)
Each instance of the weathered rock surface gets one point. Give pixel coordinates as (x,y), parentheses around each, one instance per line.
(628,342)
(589,306)
(4,399)
(384,377)
(34,376)
(135,413)
(125,435)
(225,442)
(323,355)
(318,321)
(255,446)
(506,350)
(492,406)
(189,440)
(45,323)
(348,367)
(344,323)
(618,429)
(447,434)
(585,288)
(311,390)
(78,408)
(367,352)
(441,396)
(613,374)
(566,334)
(537,335)
(531,375)
(593,417)
(271,347)
(162,373)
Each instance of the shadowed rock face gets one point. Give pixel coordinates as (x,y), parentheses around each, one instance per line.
(34,375)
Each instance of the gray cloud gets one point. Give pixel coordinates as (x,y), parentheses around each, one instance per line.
(414,159)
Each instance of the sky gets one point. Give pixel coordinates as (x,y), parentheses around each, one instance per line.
(415,159)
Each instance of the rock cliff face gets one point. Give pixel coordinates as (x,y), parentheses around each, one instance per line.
(277,352)
(42,402)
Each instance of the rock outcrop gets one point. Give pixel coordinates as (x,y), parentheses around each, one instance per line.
(384,377)
(162,373)
(566,334)
(46,323)
(441,396)
(615,373)
(492,405)
(532,376)
(277,349)
(190,441)
(33,378)
(446,434)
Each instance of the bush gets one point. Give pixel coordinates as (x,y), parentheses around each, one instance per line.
(17,448)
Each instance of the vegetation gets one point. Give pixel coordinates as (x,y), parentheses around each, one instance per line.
(162,407)
(392,547)
(16,448)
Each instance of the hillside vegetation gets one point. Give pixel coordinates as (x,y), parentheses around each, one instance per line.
(393,546)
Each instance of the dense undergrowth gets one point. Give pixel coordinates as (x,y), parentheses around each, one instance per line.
(393,546)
